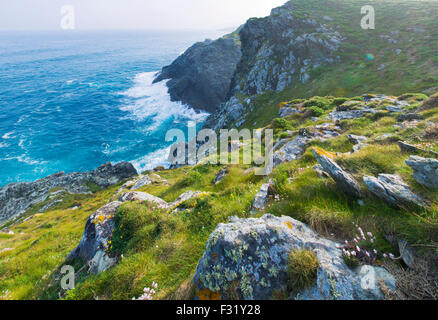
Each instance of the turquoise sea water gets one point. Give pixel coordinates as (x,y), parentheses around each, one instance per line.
(73,101)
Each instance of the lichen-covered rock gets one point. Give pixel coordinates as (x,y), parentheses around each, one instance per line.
(358,141)
(342,115)
(247,258)
(292,150)
(345,181)
(92,248)
(406,147)
(16,198)
(143,181)
(392,189)
(144,197)
(262,197)
(425,170)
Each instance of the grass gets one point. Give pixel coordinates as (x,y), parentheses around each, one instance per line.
(166,247)
(154,245)
(302,269)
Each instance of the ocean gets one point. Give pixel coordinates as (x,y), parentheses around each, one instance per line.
(71,101)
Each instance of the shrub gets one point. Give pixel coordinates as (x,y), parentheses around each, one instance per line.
(316,111)
(281,124)
(321,102)
(302,268)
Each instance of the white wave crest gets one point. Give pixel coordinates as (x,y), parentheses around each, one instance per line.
(152,160)
(146,100)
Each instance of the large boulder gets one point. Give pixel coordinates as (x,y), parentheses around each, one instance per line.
(247,259)
(425,170)
(93,247)
(201,77)
(16,198)
(344,180)
(392,189)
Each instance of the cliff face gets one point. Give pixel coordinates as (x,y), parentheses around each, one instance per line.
(280,49)
(267,54)
(201,77)
(306,48)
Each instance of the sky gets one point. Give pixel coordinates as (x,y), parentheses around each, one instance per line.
(132,14)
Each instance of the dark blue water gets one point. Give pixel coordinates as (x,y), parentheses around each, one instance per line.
(72,101)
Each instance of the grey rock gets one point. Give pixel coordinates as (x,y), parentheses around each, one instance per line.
(409,117)
(425,170)
(143,181)
(16,198)
(344,180)
(253,252)
(201,77)
(404,146)
(220,176)
(262,197)
(144,197)
(393,190)
(342,115)
(356,139)
(292,150)
(92,248)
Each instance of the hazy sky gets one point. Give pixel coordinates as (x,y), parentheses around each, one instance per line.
(133,14)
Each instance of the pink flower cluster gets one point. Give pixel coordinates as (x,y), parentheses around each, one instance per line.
(362,248)
(148,293)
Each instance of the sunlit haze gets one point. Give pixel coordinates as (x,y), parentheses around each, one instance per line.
(133,14)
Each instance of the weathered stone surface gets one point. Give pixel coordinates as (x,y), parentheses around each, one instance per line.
(425,170)
(406,147)
(201,77)
(262,197)
(220,176)
(409,117)
(144,197)
(342,115)
(248,258)
(292,150)
(143,181)
(393,190)
(16,198)
(156,201)
(92,248)
(358,141)
(345,181)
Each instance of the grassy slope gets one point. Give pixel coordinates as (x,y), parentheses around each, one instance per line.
(162,247)
(415,69)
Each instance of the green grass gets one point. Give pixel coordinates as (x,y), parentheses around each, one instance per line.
(302,269)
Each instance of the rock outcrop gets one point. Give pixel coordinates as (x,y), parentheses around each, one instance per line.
(220,176)
(247,259)
(201,77)
(344,180)
(16,198)
(425,170)
(93,247)
(393,190)
(262,197)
